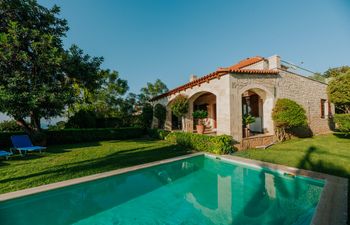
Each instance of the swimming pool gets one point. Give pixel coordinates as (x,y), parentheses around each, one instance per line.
(196,190)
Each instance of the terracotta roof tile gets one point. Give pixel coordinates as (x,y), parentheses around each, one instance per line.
(237,68)
(245,62)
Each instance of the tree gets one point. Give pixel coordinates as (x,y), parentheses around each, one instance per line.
(334,72)
(287,114)
(179,106)
(160,114)
(143,101)
(151,91)
(339,91)
(106,99)
(147,116)
(37,76)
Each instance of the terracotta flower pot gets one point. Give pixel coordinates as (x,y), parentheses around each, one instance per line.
(200,129)
(246,132)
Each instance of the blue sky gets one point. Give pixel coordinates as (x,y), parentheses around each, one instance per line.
(149,39)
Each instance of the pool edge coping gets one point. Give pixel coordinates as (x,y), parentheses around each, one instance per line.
(332,207)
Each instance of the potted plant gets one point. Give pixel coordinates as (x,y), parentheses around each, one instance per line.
(247,120)
(200,115)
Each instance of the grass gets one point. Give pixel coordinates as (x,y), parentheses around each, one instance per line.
(65,162)
(324,153)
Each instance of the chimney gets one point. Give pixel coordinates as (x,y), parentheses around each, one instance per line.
(193,77)
(274,62)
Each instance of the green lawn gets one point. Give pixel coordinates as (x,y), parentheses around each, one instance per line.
(70,161)
(325,153)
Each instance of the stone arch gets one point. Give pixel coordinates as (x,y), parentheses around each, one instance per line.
(203,100)
(262,102)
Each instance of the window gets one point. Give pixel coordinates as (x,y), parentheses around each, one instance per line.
(324,108)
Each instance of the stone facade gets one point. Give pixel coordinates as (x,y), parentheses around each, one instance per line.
(269,86)
(309,94)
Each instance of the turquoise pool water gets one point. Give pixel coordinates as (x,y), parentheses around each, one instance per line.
(197,190)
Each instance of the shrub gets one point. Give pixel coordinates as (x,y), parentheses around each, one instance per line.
(160,114)
(60,125)
(343,122)
(247,119)
(82,119)
(222,144)
(287,115)
(200,115)
(146,116)
(9,126)
(72,136)
(158,133)
(180,106)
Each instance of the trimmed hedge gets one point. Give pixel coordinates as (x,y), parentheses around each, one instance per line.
(343,122)
(158,133)
(222,144)
(72,136)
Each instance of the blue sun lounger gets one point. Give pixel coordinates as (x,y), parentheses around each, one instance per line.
(5,154)
(23,144)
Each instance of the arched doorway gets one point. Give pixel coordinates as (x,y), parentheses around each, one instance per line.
(256,104)
(205,101)
(176,122)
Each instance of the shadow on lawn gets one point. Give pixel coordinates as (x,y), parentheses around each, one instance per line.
(115,160)
(321,166)
(67,147)
(28,156)
(342,135)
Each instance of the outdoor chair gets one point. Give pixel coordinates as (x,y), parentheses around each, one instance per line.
(23,144)
(5,154)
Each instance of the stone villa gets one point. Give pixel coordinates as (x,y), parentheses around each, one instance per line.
(251,86)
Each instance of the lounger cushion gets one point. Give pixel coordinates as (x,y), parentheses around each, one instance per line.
(21,141)
(32,148)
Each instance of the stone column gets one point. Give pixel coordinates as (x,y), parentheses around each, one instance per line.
(168,122)
(188,120)
(224,107)
(236,111)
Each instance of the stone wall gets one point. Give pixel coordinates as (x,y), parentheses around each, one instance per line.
(307,93)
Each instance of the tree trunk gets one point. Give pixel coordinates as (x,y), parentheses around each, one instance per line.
(35,122)
(22,123)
